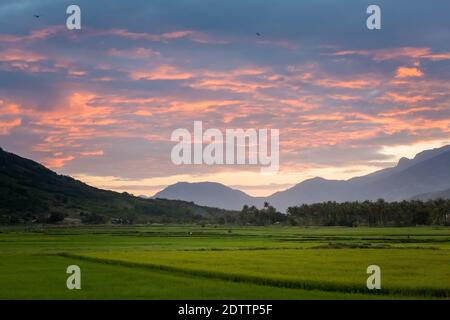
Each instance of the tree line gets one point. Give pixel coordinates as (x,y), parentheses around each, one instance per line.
(373,214)
(350,214)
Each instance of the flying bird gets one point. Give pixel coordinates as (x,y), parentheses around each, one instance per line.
(258,34)
(37,15)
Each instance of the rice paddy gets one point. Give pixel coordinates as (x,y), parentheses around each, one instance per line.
(193,262)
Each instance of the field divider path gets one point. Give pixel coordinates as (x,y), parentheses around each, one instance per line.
(283,283)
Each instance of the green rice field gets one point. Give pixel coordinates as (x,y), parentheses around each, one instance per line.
(216,262)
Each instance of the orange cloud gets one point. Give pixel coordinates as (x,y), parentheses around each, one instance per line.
(301,103)
(78,110)
(439,56)
(92,153)
(14,55)
(197,106)
(398,112)
(345,84)
(405,72)
(7,125)
(396,97)
(392,96)
(76,73)
(242,80)
(413,53)
(401,53)
(343,97)
(8,108)
(164,72)
(230,84)
(57,161)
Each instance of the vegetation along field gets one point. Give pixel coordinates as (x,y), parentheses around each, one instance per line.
(211,262)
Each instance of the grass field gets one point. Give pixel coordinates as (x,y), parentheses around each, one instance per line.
(191,262)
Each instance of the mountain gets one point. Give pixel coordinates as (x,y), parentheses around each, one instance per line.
(209,194)
(428,171)
(433,195)
(30,191)
(311,191)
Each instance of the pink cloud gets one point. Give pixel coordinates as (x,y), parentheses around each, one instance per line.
(34,35)
(92,153)
(169,36)
(135,53)
(413,53)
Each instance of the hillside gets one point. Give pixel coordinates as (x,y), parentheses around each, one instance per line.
(30,191)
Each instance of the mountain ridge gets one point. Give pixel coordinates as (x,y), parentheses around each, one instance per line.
(200,193)
(29,191)
(444,194)
(427,172)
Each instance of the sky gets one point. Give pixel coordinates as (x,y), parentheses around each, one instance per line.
(100,103)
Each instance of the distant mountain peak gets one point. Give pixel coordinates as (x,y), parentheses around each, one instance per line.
(427,154)
(208,194)
(403,162)
(316,179)
(428,171)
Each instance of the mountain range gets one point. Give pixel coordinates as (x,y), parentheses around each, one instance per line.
(28,188)
(423,177)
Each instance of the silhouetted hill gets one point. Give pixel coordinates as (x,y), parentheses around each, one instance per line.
(30,191)
(429,171)
(209,194)
(433,196)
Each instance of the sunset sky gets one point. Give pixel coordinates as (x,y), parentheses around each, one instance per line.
(101,103)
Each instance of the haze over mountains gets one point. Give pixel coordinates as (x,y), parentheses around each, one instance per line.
(423,177)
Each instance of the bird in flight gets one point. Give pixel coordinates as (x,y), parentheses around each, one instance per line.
(36,15)
(258,34)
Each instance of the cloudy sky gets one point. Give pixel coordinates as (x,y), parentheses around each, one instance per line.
(100,103)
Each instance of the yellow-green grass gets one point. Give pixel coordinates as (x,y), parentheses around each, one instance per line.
(44,277)
(193,262)
(404,271)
